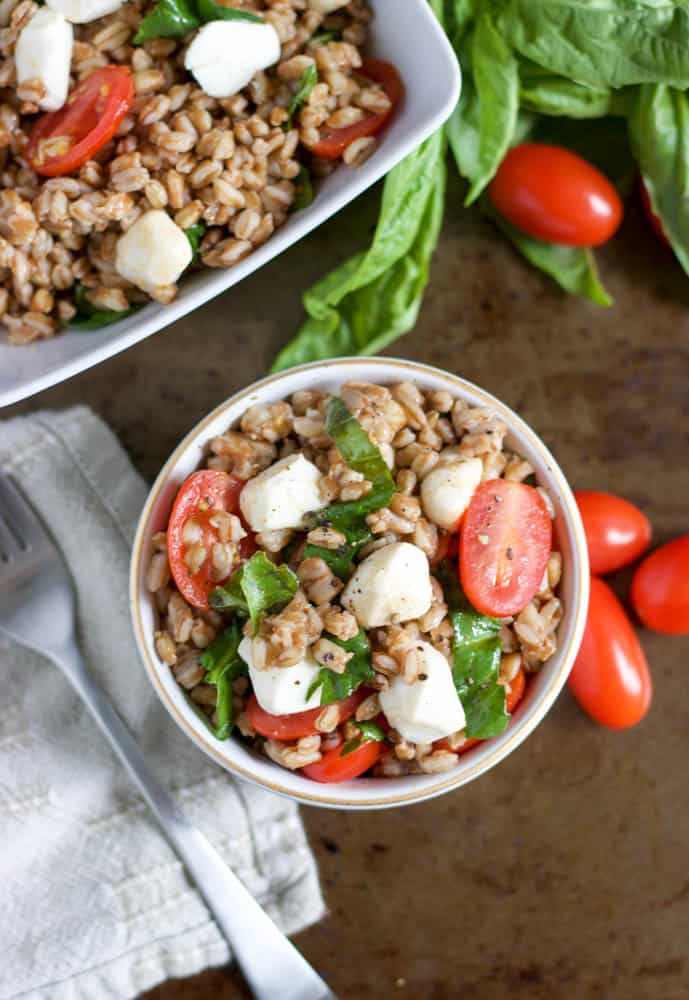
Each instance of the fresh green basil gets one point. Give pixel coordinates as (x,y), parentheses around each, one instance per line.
(304,191)
(258,588)
(168,19)
(323,37)
(368,731)
(309,79)
(195,234)
(549,94)
(223,665)
(89,317)
(209,10)
(341,559)
(335,687)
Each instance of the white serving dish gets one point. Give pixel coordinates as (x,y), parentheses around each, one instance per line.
(403,31)
(364,793)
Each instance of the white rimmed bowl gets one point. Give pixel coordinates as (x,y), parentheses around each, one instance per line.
(363,793)
(406,33)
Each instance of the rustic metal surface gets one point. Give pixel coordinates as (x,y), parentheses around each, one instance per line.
(562,874)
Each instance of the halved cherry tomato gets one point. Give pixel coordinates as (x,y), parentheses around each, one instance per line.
(504,546)
(89,118)
(293,727)
(660,588)
(200,497)
(332,767)
(554,195)
(333,141)
(617,533)
(516,693)
(610,677)
(656,224)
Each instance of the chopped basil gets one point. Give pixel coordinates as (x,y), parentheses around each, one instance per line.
(309,79)
(89,317)
(223,665)
(304,195)
(323,37)
(175,18)
(195,234)
(369,731)
(335,687)
(258,588)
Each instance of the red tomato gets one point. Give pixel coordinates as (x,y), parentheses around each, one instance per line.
(617,533)
(333,141)
(201,496)
(517,688)
(88,120)
(504,546)
(556,196)
(660,588)
(610,677)
(656,224)
(293,727)
(332,767)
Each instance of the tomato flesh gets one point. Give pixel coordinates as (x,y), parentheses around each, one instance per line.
(333,141)
(660,588)
(86,122)
(554,195)
(200,497)
(610,677)
(332,767)
(504,546)
(299,724)
(617,532)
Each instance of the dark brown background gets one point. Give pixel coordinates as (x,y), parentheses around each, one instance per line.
(564,873)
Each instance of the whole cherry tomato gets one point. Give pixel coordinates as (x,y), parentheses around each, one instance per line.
(660,588)
(617,533)
(610,678)
(554,195)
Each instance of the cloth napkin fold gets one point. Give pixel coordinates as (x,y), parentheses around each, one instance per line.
(93,902)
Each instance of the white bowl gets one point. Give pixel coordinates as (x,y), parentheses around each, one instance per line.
(364,793)
(404,32)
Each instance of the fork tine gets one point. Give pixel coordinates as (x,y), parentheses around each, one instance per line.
(18,515)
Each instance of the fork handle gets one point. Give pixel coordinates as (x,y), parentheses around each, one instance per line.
(270,963)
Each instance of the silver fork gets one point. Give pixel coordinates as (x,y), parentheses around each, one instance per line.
(37,610)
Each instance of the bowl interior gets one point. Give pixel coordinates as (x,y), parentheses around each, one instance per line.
(544,686)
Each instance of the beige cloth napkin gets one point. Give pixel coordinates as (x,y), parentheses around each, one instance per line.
(94,903)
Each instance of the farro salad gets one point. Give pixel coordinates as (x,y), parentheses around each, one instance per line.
(138,139)
(358,583)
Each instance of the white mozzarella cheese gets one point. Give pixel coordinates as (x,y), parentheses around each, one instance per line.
(82,11)
(44,52)
(391,585)
(327,6)
(447,490)
(153,252)
(282,690)
(225,55)
(428,709)
(283,495)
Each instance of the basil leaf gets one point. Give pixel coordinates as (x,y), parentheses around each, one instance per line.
(360,454)
(607,43)
(211,11)
(304,195)
(195,234)
(309,79)
(659,132)
(375,297)
(335,687)
(223,665)
(323,37)
(369,731)
(89,317)
(550,94)
(168,19)
(258,588)
(341,560)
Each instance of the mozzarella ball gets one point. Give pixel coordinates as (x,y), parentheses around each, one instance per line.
(447,490)
(153,252)
(226,55)
(44,52)
(429,709)
(81,11)
(391,585)
(283,495)
(282,690)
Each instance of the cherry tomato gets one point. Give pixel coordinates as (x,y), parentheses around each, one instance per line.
(656,224)
(89,118)
(516,693)
(617,533)
(293,727)
(333,141)
(504,546)
(660,588)
(200,497)
(556,196)
(610,677)
(332,767)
